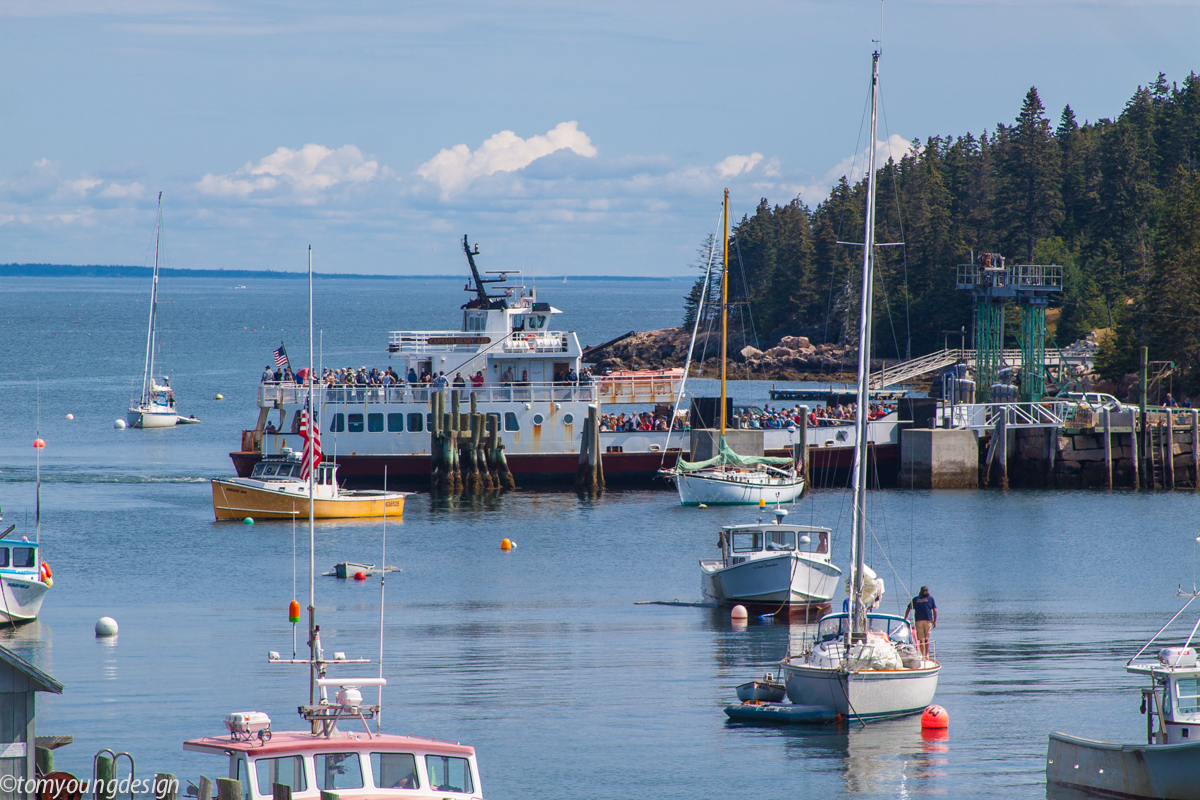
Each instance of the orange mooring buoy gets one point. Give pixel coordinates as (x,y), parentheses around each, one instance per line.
(505,544)
(360,576)
(935,717)
(293,612)
(39,443)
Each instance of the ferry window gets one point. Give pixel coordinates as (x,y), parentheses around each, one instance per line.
(288,770)
(414,423)
(396,423)
(3,556)
(538,419)
(356,423)
(782,540)
(448,774)
(1188,690)
(568,419)
(395,771)
(338,771)
(338,423)
(747,542)
(375,423)
(428,422)
(510,421)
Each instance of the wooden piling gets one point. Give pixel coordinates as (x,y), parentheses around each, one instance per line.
(1107,417)
(1170,457)
(1136,456)
(229,789)
(1195,450)
(802,445)
(166,786)
(280,791)
(1002,447)
(598,456)
(44,760)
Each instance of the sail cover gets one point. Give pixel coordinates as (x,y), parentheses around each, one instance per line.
(726,456)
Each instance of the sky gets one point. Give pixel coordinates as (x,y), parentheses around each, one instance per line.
(565,138)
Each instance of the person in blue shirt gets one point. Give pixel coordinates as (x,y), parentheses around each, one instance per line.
(924,611)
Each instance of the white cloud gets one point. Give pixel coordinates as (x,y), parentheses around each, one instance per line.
(130,191)
(453,170)
(738,165)
(306,171)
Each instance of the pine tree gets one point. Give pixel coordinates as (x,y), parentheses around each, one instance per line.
(1029,190)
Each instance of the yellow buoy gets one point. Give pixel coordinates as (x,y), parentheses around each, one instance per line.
(505,544)
(219,397)
(762,502)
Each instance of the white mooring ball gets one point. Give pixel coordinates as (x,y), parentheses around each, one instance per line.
(119,424)
(70,416)
(106,626)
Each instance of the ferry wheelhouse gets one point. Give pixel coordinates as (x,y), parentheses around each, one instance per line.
(521,371)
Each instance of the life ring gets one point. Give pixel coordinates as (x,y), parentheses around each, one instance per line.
(46,573)
(530,338)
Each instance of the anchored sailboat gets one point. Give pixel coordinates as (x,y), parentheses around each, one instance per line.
(863,665)
(729,478)
(155,407)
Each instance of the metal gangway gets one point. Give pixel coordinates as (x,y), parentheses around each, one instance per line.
(905,371)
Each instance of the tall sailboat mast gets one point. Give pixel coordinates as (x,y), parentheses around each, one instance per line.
(148,372)
(314,642)
(859,512)
(724,305)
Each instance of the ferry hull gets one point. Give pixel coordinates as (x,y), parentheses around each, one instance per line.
(829,466)
(866,694)
(233,501)
(1124,770)
(22,598)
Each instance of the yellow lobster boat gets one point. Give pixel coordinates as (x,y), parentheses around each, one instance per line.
(275,490)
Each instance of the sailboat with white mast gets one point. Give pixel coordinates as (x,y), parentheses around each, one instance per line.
(863,665)
(729,478)
(361,763)
(155,407)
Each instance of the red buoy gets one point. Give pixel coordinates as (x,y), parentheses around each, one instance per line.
(360,576)
(293,612)
(39,443)
(935,717)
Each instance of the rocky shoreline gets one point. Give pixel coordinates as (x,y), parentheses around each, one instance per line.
(794,358)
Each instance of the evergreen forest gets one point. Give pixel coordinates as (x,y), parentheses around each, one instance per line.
(1115,202)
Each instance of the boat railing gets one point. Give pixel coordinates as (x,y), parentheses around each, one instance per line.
(516,342)
(272,395)
(545,342)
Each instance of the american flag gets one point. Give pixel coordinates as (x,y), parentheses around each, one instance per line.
(312,444)
(281,358)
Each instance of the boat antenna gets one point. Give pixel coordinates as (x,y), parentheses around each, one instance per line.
(382,581)
(724,305)
(858,619)
(148,371)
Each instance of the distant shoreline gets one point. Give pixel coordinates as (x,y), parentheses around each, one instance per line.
(114,271)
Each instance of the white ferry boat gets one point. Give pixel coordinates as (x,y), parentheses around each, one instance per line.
(522,372)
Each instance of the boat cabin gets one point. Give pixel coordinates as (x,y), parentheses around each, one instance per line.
(835,627)
(351,764)
(19,556)
(740,543)
(288,468)
(1172,701)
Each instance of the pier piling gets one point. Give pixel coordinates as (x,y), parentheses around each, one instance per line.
(1195,450)
(204,791)
(166,786)
(280,791)
(1108,466)
(229,789)
(1002,449)
(802,445)
(1170,447)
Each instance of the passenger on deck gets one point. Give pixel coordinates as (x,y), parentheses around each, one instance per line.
(459,383)
(507,378)
(477,380)
(288,375)
(440,382)
(267,375)
(412,375)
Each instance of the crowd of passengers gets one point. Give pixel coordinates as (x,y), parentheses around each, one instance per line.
(645,421)
(348,376)
(820,416)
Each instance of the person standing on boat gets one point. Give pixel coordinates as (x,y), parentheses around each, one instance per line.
(924,611)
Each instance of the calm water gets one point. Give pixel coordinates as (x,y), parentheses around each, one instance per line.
(538,657)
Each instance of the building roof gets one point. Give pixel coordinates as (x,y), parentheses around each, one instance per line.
(42,681)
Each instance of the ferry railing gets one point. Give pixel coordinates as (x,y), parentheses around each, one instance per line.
(272,395)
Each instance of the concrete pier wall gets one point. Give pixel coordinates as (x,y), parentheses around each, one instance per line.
(938,458)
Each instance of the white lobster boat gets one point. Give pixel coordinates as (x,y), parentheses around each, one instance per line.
(771,568)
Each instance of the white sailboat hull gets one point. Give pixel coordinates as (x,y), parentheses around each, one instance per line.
(736,488)
(21,597)
(862,694)
(787,579)
(152,417)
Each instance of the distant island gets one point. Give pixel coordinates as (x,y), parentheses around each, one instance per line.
(117,271)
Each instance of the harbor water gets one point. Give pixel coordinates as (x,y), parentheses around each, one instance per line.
(540,657)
